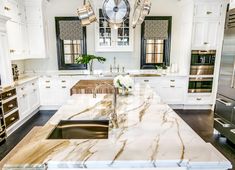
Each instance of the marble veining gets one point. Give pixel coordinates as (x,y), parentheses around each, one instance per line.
(150,135)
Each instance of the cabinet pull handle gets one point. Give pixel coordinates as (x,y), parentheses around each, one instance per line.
(7,8)
(34,90)
(12,51)
(172,86)
(48,81)
(9,94)
(33,84)
(199,99)
(12,119)
(233,131)
(22,88)
(205,43)
(10,106)
(63,81)
(224,102)
(146,80)
(208,12)
(48,87)
(24,95)
(172,80)
(64,87)
(222,123)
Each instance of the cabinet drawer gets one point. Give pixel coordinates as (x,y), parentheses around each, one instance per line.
(224,107)
(153,82)
(173,82)
(9,106)
(8,94)
(10,120)
(199,99)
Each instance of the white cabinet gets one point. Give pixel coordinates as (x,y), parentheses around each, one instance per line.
(110,39)
(232,4)
(5,63)
(172,90)
(28,98)
(208,9)
(199,99)
(207,23)
(205,34)
(37,28)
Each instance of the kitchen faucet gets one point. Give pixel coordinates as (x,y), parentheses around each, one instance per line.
(113,116)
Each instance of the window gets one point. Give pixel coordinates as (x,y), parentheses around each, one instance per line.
(155,42)
(71,42)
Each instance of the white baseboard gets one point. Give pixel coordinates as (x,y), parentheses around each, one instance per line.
(197,107)
(46,107)
(176,106)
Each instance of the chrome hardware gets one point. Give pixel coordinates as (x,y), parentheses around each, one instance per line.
(22,88)
(63,81)
(48,87)
(172,80)
(233,131)
(146,81)
(172,86)
(48,81)
(208,12)
(64,87)
(224,102)
(222,123)
(33,84)
(205,43)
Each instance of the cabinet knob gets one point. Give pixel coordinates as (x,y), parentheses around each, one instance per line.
(24,95)
(7,8)
(208,12)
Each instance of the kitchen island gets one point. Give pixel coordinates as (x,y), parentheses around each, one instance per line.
(150,135)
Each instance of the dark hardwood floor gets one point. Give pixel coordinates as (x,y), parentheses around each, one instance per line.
(37,120)
(201,121)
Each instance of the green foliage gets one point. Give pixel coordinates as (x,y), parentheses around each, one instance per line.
(87,58)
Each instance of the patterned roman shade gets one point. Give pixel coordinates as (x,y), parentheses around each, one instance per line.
(71,30)
(156,29)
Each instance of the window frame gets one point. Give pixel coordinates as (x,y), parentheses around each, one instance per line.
(60,47)
(167,44)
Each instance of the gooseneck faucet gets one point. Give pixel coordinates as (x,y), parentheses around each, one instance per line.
(113,116)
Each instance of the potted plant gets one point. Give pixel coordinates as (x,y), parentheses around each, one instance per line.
(89,59)
(125,84)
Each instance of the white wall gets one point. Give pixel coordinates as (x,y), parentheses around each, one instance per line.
(180,10)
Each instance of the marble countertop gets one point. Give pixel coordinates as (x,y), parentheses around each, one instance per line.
(150,135)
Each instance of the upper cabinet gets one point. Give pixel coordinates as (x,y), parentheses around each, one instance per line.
(26,28)
(111,39)
(207,23)
(232,4)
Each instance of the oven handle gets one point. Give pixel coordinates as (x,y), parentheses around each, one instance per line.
(224,102)
(222,123)
(232,81)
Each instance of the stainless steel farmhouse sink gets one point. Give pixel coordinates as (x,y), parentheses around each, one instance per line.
(81,129)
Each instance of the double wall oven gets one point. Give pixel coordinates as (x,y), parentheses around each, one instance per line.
(201,71)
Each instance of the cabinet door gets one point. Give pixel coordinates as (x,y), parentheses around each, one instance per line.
(5,63)
(176,94)
(23,104)
(232,4)
(212,34)
(34,100)
(36,41)
(199,31)
(205,34)
(11,10)
(208,10)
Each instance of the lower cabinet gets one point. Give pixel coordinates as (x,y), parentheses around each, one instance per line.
(28,98)
(172,90)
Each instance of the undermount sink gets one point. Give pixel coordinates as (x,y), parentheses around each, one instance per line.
(81,129)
